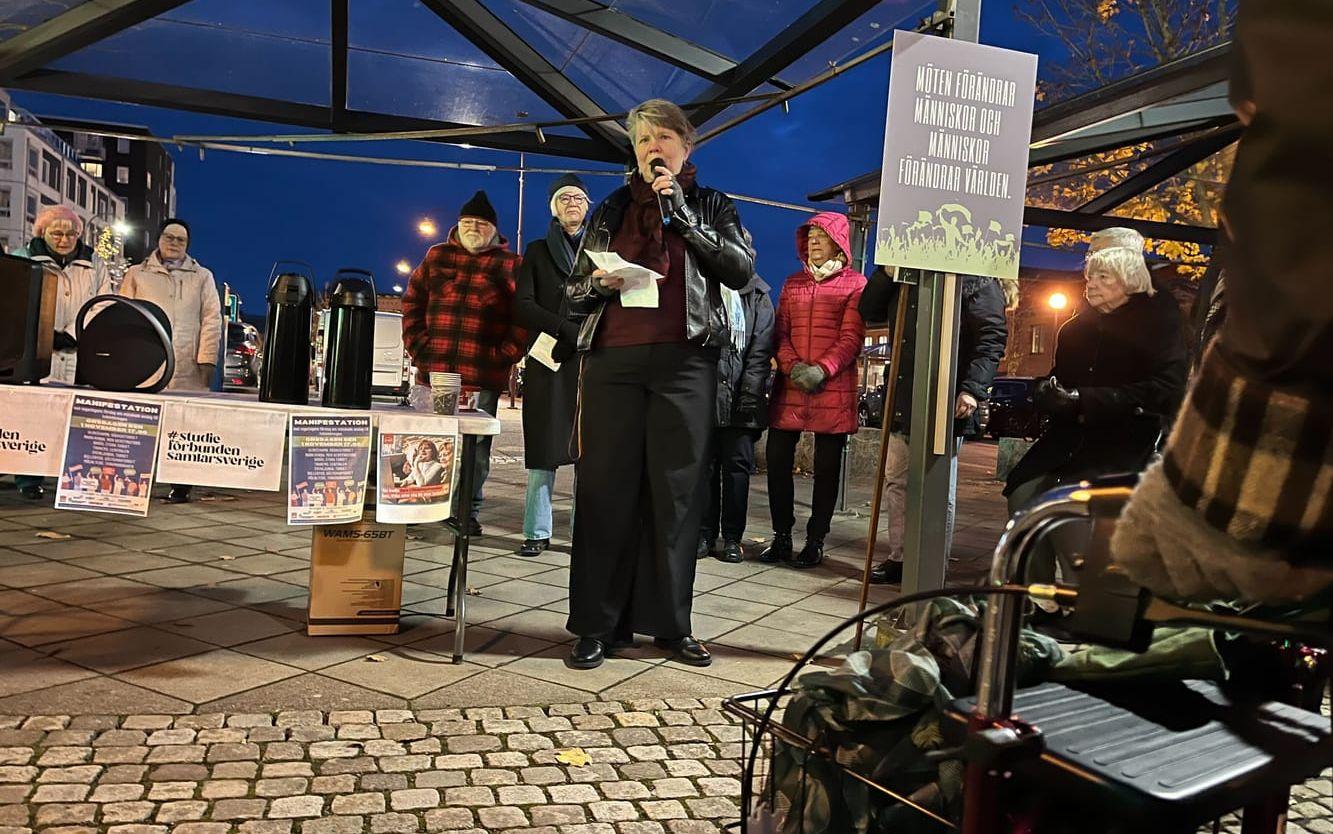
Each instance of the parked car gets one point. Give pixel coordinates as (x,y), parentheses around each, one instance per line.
(1010,411)
(241,369)
(870,406)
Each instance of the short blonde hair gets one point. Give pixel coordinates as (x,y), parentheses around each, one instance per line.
(1124,263)
(55,214)
(661,113)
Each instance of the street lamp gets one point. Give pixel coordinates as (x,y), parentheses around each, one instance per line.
(427,227)
(398,288)
(1057,302)
(121,228)
(403,267)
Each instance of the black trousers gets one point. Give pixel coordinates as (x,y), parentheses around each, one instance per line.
(728,483)
(645,428)
(781,490)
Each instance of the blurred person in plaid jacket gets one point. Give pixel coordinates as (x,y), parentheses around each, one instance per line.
(458,317)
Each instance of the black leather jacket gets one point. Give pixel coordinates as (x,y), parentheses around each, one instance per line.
(716,253)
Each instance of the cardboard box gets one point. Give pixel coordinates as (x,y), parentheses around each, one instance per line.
(356,578)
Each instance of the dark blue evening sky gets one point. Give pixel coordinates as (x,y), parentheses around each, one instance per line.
(247,211)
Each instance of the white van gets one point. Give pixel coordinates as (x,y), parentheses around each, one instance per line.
(391,373)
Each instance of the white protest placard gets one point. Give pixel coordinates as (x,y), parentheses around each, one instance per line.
(640,287)
(228,448)
(955,156)
(329,461)
(417,457)
(33,425)
(110,450)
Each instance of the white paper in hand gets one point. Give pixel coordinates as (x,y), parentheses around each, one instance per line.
(542,351)
(640,289)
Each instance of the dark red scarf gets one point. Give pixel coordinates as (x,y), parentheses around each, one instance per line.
(640,236)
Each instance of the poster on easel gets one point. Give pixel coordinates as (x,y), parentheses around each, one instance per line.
(955,161)
(416,464)
(110,451)
(328,463)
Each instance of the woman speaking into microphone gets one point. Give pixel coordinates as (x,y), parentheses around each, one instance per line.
(647,397)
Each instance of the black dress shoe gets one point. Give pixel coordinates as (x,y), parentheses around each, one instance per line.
(705,548)
(473,526)
(686,650)
(32,492)
(533,547)
(732,552)
(178,495)
(778,551)
(810,556)
(887,572)
(588,653)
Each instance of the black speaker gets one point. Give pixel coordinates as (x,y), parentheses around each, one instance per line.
(27,320)
(124,345)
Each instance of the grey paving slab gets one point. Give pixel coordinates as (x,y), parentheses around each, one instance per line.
(161,606)
(43,573)
(249,590)
(9,558)
(127,649)
(96,695)
(499,687)
(208,676)
(19,603)
(311,653)
(54,625)
(93,592)
(307,691)
(231,626)
(185,576)
(33,671)
(402,674)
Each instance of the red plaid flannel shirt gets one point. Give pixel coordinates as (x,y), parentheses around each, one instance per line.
(458,314)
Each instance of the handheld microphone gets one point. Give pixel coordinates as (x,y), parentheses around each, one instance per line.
(662,206)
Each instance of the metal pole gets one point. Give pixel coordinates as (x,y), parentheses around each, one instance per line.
(860,227)
(522,173)
(931,447)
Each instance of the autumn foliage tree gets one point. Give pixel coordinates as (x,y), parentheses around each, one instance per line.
(1107,40)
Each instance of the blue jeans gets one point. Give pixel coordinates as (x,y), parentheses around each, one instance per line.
(489,402)
(537,504)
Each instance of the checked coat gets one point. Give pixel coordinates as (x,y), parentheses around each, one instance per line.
(458,314)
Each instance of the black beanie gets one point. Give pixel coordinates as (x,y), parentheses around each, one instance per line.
(564,181)
(479,206)
(175,221)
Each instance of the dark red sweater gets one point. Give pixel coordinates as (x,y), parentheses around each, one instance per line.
(626,326)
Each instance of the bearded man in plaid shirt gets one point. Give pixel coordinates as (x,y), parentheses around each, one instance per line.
(458,317)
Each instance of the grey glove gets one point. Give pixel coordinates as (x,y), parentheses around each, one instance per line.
(809,378)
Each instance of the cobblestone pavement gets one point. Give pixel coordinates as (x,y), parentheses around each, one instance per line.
(652,767)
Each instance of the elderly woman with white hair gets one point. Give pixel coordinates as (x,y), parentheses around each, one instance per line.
(57,244)
(1119,373)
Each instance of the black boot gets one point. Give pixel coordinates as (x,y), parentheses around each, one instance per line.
(887,572)
(533,547)
(732,552)
(705,548)
(778,551)
(32,492)
(686,650)
(811,555)
(179,494)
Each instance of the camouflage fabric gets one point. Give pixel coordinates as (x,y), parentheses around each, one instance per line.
(879,715)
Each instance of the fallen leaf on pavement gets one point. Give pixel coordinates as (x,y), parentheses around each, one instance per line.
(576,756)
(227,558)
(473,592)
(52,534)
(376,658)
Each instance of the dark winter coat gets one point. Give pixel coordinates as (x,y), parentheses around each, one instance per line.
(549,397)
(818,324)
(1129,367)
(744,375)
(716,253)
(982,335)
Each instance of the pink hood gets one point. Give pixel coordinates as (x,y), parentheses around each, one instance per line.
(835,226)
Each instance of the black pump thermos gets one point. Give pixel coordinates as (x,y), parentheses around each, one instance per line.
(349,340)
(284,375)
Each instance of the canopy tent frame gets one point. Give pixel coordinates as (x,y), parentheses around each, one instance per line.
(26,64)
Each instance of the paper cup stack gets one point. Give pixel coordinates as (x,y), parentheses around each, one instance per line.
(444,390)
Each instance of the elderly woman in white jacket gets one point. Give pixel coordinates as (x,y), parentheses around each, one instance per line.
(57,245)
(186,292)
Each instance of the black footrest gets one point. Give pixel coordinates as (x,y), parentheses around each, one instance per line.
(1182,752)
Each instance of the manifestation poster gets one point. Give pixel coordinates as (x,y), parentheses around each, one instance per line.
(416,469)
(33,425)
(327,470)
(955,156)
(109,454)
(229,448)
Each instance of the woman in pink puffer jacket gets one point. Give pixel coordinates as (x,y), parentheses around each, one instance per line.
(819,335)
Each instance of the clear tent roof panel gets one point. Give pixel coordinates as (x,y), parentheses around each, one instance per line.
(17,16)
(210,57)
(734,28)
(871,29)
